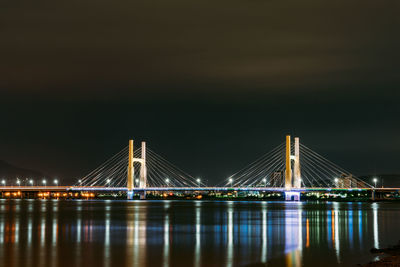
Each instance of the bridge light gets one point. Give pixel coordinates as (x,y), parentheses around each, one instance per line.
(44,182)
(137,181)
(167,181)
(3,182)
(198,181)
(80,181)
(230,181)
(18,182)
(265,182)
(55,181)
(108,181)
(31,182)
(375,181)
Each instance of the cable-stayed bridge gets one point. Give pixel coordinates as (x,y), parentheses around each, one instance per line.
(290,167)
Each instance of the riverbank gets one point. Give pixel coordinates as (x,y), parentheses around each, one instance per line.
(390,257)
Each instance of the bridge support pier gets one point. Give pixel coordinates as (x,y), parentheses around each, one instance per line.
(292,196)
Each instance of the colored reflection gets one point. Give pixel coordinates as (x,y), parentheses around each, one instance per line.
(165,262)
(197,249)
(199,233)
(376,232)
(293,236)
(229,254)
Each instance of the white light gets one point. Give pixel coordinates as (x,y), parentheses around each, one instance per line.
(336,180)
(375,180)
(198,180)
(167,180)
(44,181)
(264,180)
(56,181)
(18,182)
(31,181)
(108,181)
(80,181)
(3,182)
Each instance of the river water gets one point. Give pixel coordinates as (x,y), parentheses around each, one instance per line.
(193,233)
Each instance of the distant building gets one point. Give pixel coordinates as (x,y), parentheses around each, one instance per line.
(348,181)
(277,179)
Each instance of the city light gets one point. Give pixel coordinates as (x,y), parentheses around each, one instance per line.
(375,181)
(44,182)
(108,181)
(198,181)
(18,182)
(3,182)
(55,181)
(265,182)
(31,182)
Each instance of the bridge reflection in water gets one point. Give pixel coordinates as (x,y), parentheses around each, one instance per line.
(192,233)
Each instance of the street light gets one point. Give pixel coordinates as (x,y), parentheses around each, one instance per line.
(230,181)
(137,181)
(198,181)
(108,181)
(167,181)
(31,182)
(265,182)
(3,182)
(44,182)
(55,181)
(375,180)
(18,182)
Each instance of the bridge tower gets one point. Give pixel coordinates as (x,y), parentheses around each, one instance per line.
(288,171)
(296,171)
(296,181)
(131,171)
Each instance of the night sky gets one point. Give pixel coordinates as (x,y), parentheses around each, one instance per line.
(210,85)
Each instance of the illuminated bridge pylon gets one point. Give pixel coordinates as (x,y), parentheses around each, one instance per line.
(293,167)
(131,170)
(296,181)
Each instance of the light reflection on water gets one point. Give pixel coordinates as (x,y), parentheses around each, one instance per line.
(192,233)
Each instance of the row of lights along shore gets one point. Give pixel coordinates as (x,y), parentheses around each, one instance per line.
(31,182)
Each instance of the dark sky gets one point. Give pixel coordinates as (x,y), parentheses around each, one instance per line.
(210,85)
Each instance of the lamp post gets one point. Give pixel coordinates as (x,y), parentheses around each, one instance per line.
(44,182)
(3,182)
(31,182)
(18,182)
(167,181)
(55,181)
(265,182)
(375,181)
(230,181)
(198,181)
(108,181)
(336,182)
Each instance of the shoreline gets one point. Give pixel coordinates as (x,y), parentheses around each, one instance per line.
(390,257)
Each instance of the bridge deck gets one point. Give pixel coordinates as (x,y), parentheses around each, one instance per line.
(100,188)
